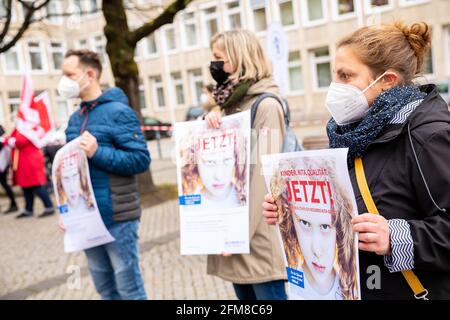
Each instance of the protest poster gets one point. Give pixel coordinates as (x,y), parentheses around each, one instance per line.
(316,204)
(84,227)
(213,182)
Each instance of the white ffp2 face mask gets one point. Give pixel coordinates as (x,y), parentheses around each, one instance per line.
(69,88)
(204,99)
(346,103)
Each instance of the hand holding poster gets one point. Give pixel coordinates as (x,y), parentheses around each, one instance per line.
(83,224)
(213,178)
(316,204)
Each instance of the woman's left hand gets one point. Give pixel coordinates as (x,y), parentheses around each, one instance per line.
(373,232)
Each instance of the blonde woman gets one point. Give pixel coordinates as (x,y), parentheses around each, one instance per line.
(402,133)
(240,68)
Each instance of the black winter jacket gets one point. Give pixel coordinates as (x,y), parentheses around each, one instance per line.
(399,192)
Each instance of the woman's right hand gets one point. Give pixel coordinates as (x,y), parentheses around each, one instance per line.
(270,210)
(214,119)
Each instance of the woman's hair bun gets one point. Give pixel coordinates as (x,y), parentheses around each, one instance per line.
(419,38)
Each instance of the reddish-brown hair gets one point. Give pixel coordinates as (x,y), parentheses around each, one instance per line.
(391,46)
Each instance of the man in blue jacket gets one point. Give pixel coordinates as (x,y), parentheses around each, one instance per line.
(113,142)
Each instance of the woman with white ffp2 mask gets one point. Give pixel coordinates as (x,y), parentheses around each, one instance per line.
(347,103)
(398,135)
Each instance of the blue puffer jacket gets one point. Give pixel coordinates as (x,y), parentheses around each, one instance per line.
(122,153)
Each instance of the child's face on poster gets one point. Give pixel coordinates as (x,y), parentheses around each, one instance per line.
(71,185)
(317,238)
(216,169)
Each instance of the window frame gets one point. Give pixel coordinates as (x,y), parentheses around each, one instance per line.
(252,19)
(51,51)
(165,42)
(175,82)
(307,23)
(345,16)
(205,18)
(193,79)
(406,3)
(191,21)
(314,62)
(295,64)
(368,9)
(155,85)
(228,12)
(19,50)
(43,54)
(295,12)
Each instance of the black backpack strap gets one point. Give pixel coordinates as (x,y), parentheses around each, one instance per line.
(260,99)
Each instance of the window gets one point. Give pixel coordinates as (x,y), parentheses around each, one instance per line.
(295,72)
(3,11)
(142,95)
(158,92)
(447,47)
(259,14)
(376,6)
(13,103)
(287,17)
(171,43)
(313,12)
(233,13)
(2,116)
(139,51)
(57,51)
(82,44)
(177,82)
(190,30)
(79,5)
(99,46)
(11,59)
(344,9)
(93,6)
(428,63)
(196,82)
(54,9)
(210,20)
(152,48)
(405,3)
(36,56)
(62,109)
(321,67)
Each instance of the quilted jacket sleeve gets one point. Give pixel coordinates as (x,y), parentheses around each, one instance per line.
(129,155)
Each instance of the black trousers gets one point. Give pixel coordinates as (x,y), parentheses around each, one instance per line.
(8,190)
(41,192)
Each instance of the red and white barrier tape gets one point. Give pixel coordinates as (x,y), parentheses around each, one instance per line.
(157,128)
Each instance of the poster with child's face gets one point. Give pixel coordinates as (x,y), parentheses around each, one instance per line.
(71,176)
(213,182)
(83,224)
(213,165)
(316,204)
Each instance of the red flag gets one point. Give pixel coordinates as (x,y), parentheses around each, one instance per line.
(34,116)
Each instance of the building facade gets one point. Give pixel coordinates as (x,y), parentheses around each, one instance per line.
(174,61)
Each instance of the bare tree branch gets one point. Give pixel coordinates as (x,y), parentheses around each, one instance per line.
(165,17)
(31,9)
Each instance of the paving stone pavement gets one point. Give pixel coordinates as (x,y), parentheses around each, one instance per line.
(33,264)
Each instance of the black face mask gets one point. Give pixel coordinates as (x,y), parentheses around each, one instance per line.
(217,72)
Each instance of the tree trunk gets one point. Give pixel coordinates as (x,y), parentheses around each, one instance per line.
(125,70)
